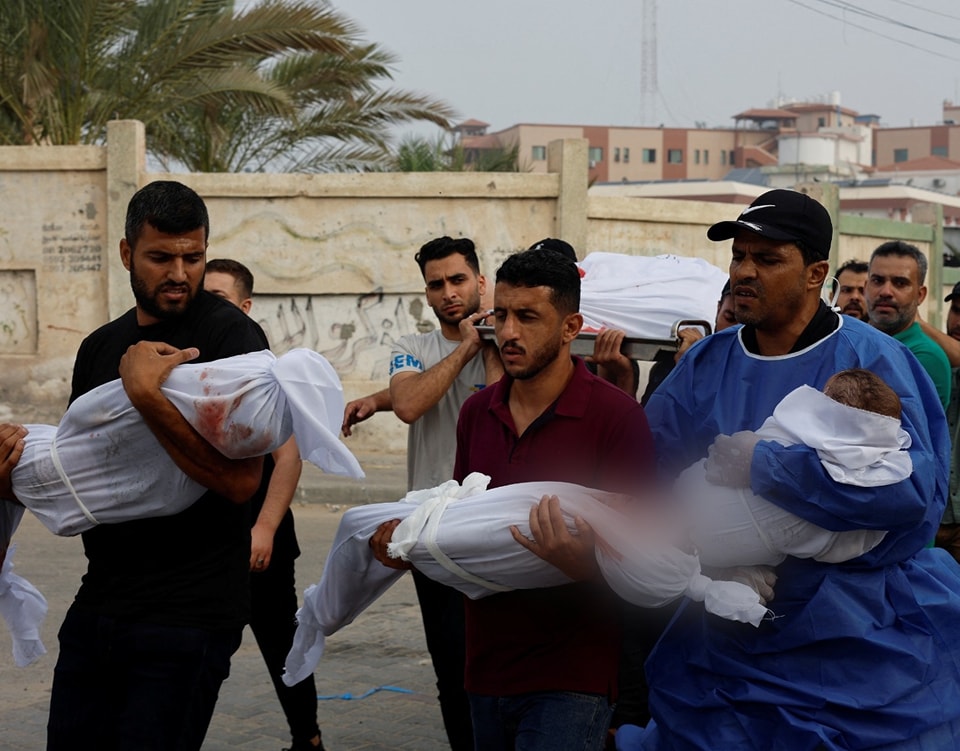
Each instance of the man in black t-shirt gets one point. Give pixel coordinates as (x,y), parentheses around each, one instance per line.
(147,642)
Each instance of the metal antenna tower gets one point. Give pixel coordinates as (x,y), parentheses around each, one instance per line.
(649,92)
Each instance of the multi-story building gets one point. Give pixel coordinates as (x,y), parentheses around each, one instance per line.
(807,133)
(899,145)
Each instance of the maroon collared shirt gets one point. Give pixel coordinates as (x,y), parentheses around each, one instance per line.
(561,638)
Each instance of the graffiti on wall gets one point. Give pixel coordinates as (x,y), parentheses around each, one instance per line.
(355,333)
(18,313)
(72,247)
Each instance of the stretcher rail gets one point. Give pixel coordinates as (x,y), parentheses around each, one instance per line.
(636,348)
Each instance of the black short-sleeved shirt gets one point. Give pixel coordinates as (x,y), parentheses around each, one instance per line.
(190,569)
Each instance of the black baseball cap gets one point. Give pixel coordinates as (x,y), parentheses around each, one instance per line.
(953,295)
(783,215)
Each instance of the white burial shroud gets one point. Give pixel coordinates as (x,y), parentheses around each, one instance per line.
(460,536)
(734,527)
(645,296)
(102,464)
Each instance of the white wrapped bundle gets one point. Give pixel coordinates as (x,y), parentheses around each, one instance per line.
(734,527)
(460,536)
(645,296)
(103,464)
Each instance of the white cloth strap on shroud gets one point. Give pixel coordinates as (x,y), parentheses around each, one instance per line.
(102,464)
(65,479)
(471,528)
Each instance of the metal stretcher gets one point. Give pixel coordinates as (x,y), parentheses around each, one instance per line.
(633,347)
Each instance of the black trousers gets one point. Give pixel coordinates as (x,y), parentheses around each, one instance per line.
(441,608)
(273,600)
(122,685)
(642,628)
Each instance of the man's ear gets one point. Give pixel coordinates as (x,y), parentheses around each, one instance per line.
(922,294)
(245,305)
(817,273)
(126,252)
(572,324)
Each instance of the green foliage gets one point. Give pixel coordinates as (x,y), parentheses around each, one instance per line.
(442,154)
(286,84)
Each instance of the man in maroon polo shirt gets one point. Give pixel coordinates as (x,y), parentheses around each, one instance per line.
(542,664)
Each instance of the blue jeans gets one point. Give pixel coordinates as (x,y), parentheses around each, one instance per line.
(541,721)
(124,686)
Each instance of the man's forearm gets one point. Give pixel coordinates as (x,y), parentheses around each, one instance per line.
(234,479)
(413,394)
(947,343)
(282,487)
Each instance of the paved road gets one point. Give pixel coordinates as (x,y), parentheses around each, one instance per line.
(383,647)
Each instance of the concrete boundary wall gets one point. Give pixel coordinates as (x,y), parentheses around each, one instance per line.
(332,254)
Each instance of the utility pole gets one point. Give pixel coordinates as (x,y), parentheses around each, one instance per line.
(649,91)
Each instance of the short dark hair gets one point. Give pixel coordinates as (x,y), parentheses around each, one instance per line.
(241,274)
(561,246)
(857,267)
(442,247)
(542,267)
(807,254)
(864,390)
(167,206)
(900,248)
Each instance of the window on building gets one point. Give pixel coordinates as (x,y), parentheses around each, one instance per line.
(723,157)
(706,156)
(649,156)
(539,153)
(939,151)
(696,156)
(595,154)
(626,155)
(675,156)
(616,154)
(732,160)
(821,122)
(900,155)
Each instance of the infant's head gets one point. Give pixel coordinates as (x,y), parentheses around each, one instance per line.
(864,390)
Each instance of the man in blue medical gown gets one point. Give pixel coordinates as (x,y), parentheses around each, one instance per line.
(858,655)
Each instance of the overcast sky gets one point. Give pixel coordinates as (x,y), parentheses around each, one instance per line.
(579,61)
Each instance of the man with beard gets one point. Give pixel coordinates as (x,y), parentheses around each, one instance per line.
(847,660)
(148,639)
(851,280)
(541,667)
(895,289)
(431,375)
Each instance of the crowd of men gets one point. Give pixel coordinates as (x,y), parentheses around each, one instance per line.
(855,655)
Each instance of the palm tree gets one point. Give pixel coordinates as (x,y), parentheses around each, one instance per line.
(338,118)
(442,154)
(286,83)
